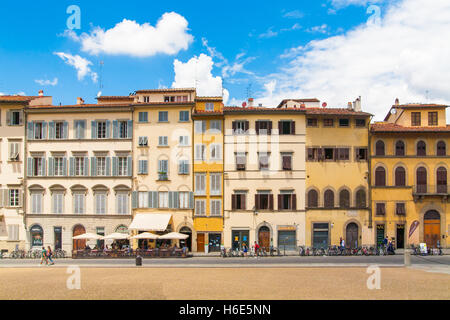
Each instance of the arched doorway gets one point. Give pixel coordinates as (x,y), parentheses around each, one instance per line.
(37,236)
(264,237)
(351,238)
(188,241)
(432,228)
(79,244)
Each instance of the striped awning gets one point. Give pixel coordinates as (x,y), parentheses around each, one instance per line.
(150,222)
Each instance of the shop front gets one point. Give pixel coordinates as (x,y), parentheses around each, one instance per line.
(239,237)
(287,238)
(320,235)
(37,236)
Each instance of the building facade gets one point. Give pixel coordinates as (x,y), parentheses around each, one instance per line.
(264,177)
(409,165)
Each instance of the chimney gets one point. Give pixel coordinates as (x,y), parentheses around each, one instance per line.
(80,100)
(350,106)
(357,105)
(303,106)
(250,102)
(397,102)
(41,93)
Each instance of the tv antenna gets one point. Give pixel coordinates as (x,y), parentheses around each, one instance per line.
(426,95)
(249,91)
(100,79)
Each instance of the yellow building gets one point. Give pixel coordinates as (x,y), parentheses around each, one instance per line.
(163,199)
(337,176)
(409,167)
(208,172)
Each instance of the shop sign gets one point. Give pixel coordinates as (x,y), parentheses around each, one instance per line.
(413,228)
(287,228)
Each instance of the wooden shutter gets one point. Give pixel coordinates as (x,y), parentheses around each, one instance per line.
(51,130)
(130,129)
(292,127)
(115,166)
(243,202)
(115,129)
(134,200)
(94,129)
(441,148)
(51,166)
(293,202)
(257,202)
(312,199)
(234,126)
(8,118)
(233,201)
(30,130)
(280,202)
(129,166)
(269,128)
(246,126)
(280,127)
(93,166)
(400,176)
(380,177)
(320,154)
(379,148)
(257,126)
(270,201)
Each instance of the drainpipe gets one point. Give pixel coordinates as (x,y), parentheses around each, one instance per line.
(369,177)
(25,168)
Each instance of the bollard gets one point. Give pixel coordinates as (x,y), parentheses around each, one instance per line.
(138,261)
(407,256)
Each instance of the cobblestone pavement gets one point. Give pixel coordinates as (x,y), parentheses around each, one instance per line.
(222,283)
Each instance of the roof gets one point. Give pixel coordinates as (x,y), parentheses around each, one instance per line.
(335,111)
(115,98)
(381,127)
(298,100)
(262,110)
(209,98)
(20,98)
(166,90)
(93,105)
(188,103)
(207,113)
(419,105)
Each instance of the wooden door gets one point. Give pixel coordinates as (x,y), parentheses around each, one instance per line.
(79,244)
(352,236)
(432,231)
(200,242)
(264,238)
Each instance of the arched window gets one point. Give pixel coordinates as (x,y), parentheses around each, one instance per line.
(361,198)
(441,180)
(441,149)
(379,148)
(37,236)
(380,177)
(399,148)
(329,199)
(313,199)
(344,199)
(421,148)
(400,177)
(421,180)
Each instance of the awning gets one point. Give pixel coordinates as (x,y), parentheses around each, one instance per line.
(115,236)
(87,236)
(150,222)
(174,236)
(146,236)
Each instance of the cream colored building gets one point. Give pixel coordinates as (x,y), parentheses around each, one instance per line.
(12,144)
(162,180)
(79,172)
(264,177)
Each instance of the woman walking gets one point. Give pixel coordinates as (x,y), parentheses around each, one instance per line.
(50,255)
(44,257)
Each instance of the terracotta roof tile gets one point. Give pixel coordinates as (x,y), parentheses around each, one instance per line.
(391,127)
(336,111)
(166,90)
(19,98)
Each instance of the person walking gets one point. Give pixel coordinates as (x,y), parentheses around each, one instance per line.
(256,249)
(44,257)
(245,249)
(50,255)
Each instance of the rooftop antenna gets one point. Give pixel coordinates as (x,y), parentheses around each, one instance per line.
(426,95)
(101,79)
(249,91)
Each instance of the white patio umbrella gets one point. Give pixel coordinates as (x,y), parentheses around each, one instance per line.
(174,236)
(145,235)
(87,236)
(116,236)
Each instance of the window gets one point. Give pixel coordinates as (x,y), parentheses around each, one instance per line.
(344,122)
(329,153)
(163,141)
(400,148)
(163,116)
(313,154)
(287,201)
(14,151)
(14,195)
(163,199)
(146,99)
(13,232)
(200,152)
(441,180)
(59,167)
(80,126)
(209,106)
(286,127)
(380,177)
(200,207)
(263,161)
(421,148)
(143,167)
(432,118)
(441,149)
(15,118)
(39,130)
(60,129)
(184,141)
(328,122)
(240,127)
(400,209)
(241,160)
(264,201)
(183,167)
(200,126)
(216,183)
(163,170)
(38,166)
(379,148)
(286,162)
(143,117)
(361,154)
(123,129)
(329,199)
(400,177)
(101,129)
(415,119)
(78,199)
(421,180)
(58,202)
(122,203)
(215,126)
(361,199)
(312,122)
(101,166)
(184,116)
(216,208)
(123,166)
(380,209)
(183,200)
(100,203)
(79,166)
(143,200)
(200,184)
(344,199)
(143,141)
(343,154)
(313,199)
(238,201)
(216,152)
(360,123)
(36,203)
(263,127)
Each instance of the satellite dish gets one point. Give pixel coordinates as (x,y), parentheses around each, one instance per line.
(393,111)
(324,104)
(244,104)
(99,94)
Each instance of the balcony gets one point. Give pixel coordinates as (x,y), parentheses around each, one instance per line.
(163,176)
(425,190)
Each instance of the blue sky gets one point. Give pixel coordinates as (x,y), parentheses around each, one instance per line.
(283,49)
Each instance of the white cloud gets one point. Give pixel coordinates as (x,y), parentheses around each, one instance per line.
(80,64)
(346,3)
(318,29)
(269,33)
(404,56)
(295,14)
(197,73)
(169,36)
(53,82)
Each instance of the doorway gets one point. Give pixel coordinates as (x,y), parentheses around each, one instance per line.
(432,228)
(79,244)
(58,237)
(380,234)
(238,237)
(400,236)
(215,239)
(351,233)
(264,238)
(186,242)
(320,235)
(200,242)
